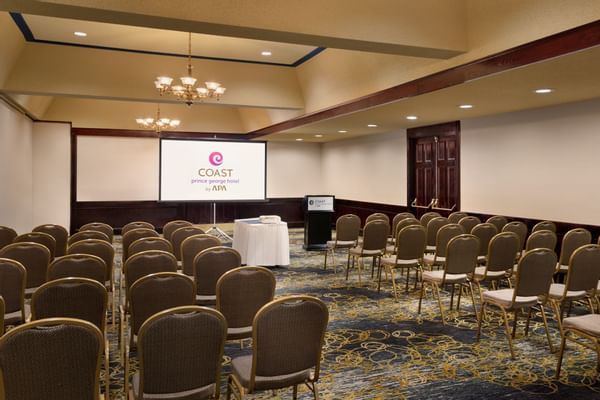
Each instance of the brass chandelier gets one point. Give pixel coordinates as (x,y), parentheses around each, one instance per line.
(159,123)
(187,91)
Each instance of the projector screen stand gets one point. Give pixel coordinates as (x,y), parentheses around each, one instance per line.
(215,230)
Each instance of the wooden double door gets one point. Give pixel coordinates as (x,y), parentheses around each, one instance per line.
(434,168)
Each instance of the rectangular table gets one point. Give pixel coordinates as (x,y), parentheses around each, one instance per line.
(261,244)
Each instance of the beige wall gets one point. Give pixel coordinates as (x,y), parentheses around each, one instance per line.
(539,164)
(51,173)
(293,169)
(371,168)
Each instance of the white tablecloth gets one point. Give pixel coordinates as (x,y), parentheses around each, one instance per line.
(261,244)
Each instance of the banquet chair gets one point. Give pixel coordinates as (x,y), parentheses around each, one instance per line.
(532,285)
(99,227)
(541,239)
(287,340)
(13,276)
(458,269)
(179,235)
(52,359)
(586,327)
(456,216)
(498,221)
(484,232)
(347,231)
(499,262)
(375,234)
(192,246)
(544,226)
(428,216)
(146,263)
(520,229)
(34,257)
(79,266)
(572,240)
(7,235)
(172,226)
(39,237)
(85,235)
(149,243)
(136,225)
(397,218)
(2,312)
(407,222)
(180,352)
(209,266)
(469,222)
(60,235)
(433,227)
(377,216)
(445,234)
(134,234)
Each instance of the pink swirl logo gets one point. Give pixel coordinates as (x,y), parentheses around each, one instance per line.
(215,158)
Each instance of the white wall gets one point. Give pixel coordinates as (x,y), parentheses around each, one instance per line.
(293,169)
(371,168)
(51,173)
(540,163)
(16,176)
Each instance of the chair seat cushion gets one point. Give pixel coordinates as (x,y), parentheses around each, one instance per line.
(480,273)
(203,392)
(438,277)
(357,251)
(15,317)
(589,323)
(239,333)
(340,244)
(504,297)
(557,291)
(241,367)
(430,249)
(399,262)
(481,259)
(562,268)
(206,299)
(430,259)
(390,249)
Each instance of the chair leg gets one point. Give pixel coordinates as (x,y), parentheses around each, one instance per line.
(439,299)
(325,262)
(360,265)
(408,277)
(527,322)
(557,314)
(546,327)
(295,392)
(421,295)
(348,265)
(515,320)
(373,262)
(560,356)
(334,261)
(393,274)
(452,297)
(508,335)
(480,320)
(473,298)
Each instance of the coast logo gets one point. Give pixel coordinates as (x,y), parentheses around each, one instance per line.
(215,158)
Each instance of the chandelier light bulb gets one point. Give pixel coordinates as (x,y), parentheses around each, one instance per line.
(159,123)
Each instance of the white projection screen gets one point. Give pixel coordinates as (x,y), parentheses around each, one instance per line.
(212,170)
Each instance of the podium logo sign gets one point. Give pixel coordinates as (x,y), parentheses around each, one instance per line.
(320,203)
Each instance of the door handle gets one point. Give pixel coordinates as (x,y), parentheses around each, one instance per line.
(415,205)
(435,207)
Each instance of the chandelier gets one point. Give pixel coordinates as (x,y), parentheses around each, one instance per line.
(187,90)
(158,124)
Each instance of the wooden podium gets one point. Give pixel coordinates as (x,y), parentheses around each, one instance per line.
(318,216)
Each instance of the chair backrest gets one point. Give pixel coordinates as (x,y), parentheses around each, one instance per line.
(572,240)
(433,227)
(428,216)
(80,298)
(211,264)
(503,250)
(149,243)
(241,292)
(499,221)
(158,292)
(535,272)
(288,335)
(53,359)
(520,229)
(134,234)
(99,227)
(136,225)
(2,312)
(146,263)
(397,218)
(347,227)
(542,240)
(544,226)
(456,216)
(181,348)
(407,222)
(469,222)
(13,277)
(411,242)
(7,236)
(461,255)
(584,269)
(445,234)
(80,266)
(60,235)
(192,246)
(33,256)
(85,235)
(484,232)
(172,226)
(38,237)
(377,216)
(375,235)
(179,235)
(99,248)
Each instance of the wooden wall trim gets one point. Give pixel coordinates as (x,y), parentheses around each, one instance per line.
(152,134)
(559,44)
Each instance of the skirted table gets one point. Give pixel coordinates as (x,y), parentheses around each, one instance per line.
(260,243)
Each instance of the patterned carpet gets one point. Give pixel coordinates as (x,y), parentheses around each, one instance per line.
(379,348)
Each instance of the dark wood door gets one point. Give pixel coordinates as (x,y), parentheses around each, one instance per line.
(433,168)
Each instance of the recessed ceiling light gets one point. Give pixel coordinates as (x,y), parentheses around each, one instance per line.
(266,53)
(299,139)
(372,125)
(412,117)
(342,131)
(80,34)
(466,106)
(544,90)
(318,135)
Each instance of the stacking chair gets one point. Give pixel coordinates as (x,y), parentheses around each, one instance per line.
(541,239)
(433,226)
(136,225)
(410,248)
(209,266)
(377,216)
(172,226)
(7,236)
(39,237)
(134,234)
(498,221)
(146,263)
(484,232)
(407,222)
(584,326)
(445,234)
(192,246)
(12,289)
(80,266)
(533,280)
(397,218)
(150,243)
(456,216)
(499,262)
(99,227)
(53,359)
(428,216)
(2,312)
(287,340)
(458,269)
(469,222)
(34,257)
(347,230)
(241,292)
(375,235)
(572,240)
(60,235)
(544,226)
(180,352)
(179,235)
(89,234)
(520,229)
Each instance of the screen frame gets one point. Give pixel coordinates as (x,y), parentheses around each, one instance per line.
(215,139)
